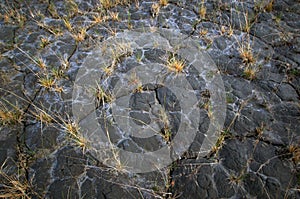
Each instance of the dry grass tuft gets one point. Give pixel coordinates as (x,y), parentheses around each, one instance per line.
(68,25)
(250,73)
(114,16)
(166,131)
(41,63)
(155,8)
(43,117)
(203,32)
(236,179)
(102,96)
(44,42)
(107,4)
(220,142)
(13,187)
(99,18)
(247,54)
(10,116)
(71,127)
(176,65)
(80,35)
(269,6)
(163,2)
(202,10)
(52,10)
(47,82)
(295,151)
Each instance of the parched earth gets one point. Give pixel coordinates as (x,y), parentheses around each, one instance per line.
(45,151)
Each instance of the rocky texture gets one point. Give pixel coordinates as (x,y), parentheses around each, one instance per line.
(257,153)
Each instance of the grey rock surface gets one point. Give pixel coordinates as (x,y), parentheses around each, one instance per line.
(255,46)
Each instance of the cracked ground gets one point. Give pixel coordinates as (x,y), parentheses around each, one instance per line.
(255,46)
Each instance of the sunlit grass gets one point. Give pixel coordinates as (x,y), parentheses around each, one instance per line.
(176,65)
(10,117)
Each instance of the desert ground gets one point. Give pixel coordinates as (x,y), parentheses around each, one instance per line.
(45,150)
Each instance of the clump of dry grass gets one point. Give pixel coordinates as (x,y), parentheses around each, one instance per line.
(163,2)
(220,141)
(155,8)
(42,116)
(175,64)
(80,35)
(250,66)
(10,116)
(203,32)
(72,7)
(246,54)
(251,72)
(107,4)
(52,10)
(71,127)
(114,16)
(139,88)
(13,187)
(166,131)
(41,63)
(202,10)
(120,50)
(14,16)
(47,82)
(44,42)
(269,6)
(68,24)
(56,31)
(236,179)
(295,151)
(103,96)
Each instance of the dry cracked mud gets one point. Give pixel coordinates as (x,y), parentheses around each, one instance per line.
(255,46)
